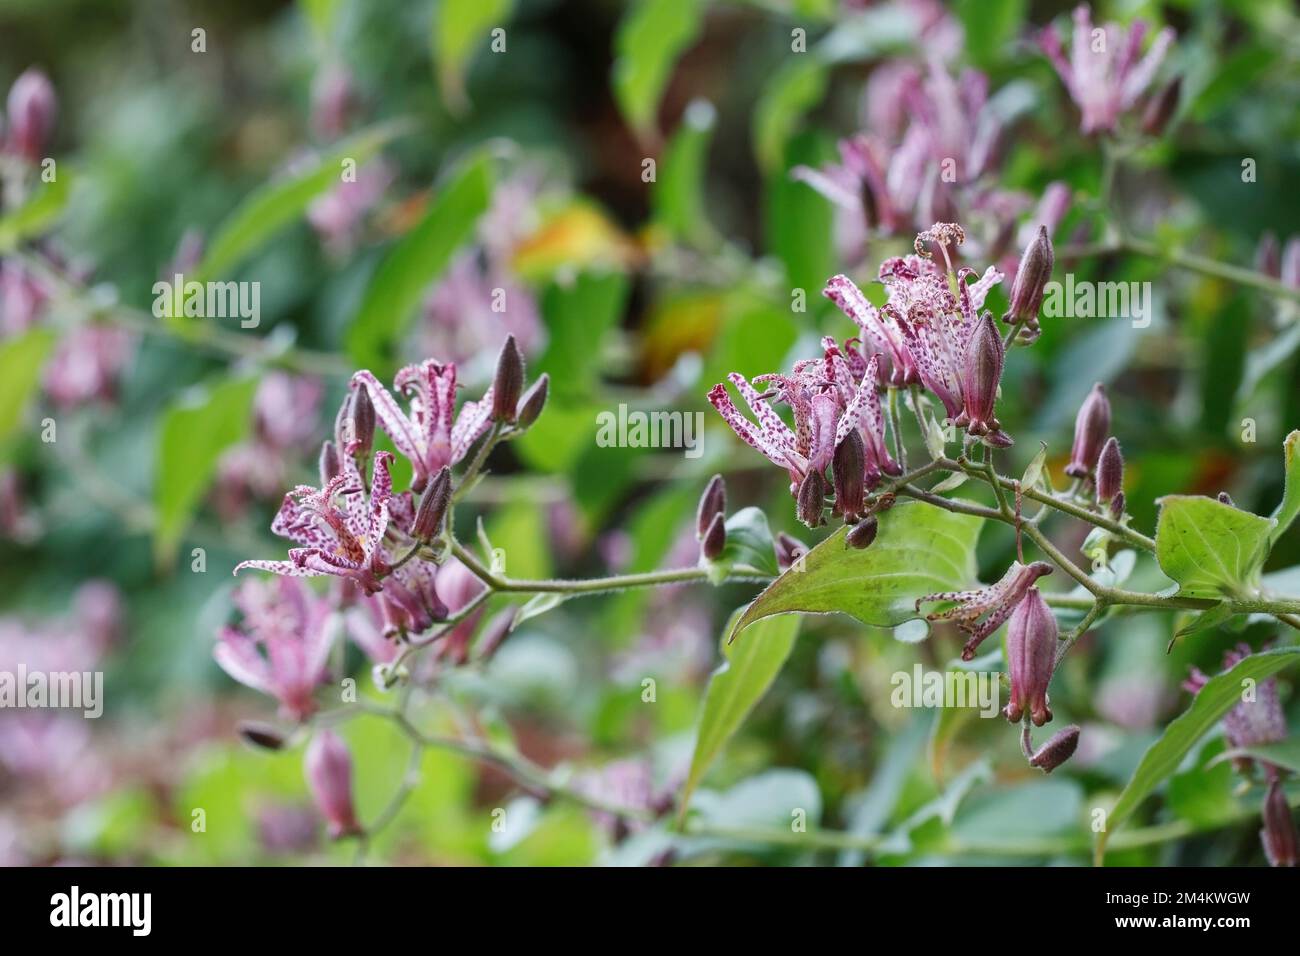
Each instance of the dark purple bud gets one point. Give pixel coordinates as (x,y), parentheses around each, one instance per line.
(328,768)
(363,425)
(862,533)
(789,549)
(1117,506)
(1278,835)
(31,106)
(261,735)
(848,470)
(1031,655)
(508,384)
(809,503)
(329,462)
(1162,107)
(1091,428)
(1057,750)
(1268,255)
(1110,471)
(433,506)
(534,400)
(1226,499)
(715,538)
(982,372)
(1031,279)
(712,502)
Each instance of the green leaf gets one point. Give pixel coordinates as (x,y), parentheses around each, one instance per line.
(749,541)
(577,313)
(679,191)
(650,38)
(1036,468)
(1211,549)
(786,97)
(21,360)
(919,549)
(458,28)
(799,224)
(35,215)
(275,205)
(1289,507)
(415,261)
(744,677)
(990,27)
(1215,699)
(193,433)
(1285,754)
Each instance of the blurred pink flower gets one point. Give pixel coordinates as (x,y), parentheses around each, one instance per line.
(475,306)
(337,215)
(86,364)
(328,768)
(32,106)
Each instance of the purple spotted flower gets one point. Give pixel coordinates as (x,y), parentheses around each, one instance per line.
(432,435)
(1106,72)
(982,611)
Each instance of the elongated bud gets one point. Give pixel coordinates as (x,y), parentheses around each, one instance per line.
(789,549)
(1057,750)
(1117,506)
(508,384)
(31,106)
(862,533)
(809,503)
(1268,255)
(328,768)
(1278,835)
(363,425)
(534,400)
(982,373)
(495,633)
(715,538)
(1031,279)
(848,471)
(712,502)
(433,506)
(1162,108)
(1110,471)
(1031,654)
(1091,428)
(261,735)
(329,462)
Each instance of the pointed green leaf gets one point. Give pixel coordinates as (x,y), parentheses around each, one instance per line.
(787,96)
(35,215)
(21,360)
(680,187)
(1289,507)
(650,38)
(459,27)
(1211,549)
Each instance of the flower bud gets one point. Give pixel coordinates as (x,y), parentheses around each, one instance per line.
(363,425)
(715,538)
(862,533)
(712,502)
(328,769)
(261,735)
(848,471)
(433,506)
(1278,835)
(1226,499)
(1268,255)
(1057,750)
(534,400)
(1162,108)
(508,384)
(1031,279)
(809,503)
(982,372)
(1091,427)
(329,462)
(1117,506)
(789,549)
(1031,655)
(495,632)
(31,106)
(1110,471)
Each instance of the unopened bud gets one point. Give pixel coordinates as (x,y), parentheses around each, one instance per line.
(328,768)
(848,471)
(1110,470)
(329,462)
(31,107)
(715,538)
(534,400)
(363,425)
(1091,428)
(433,506)
(983,372)
(495,632)
(1057,750)
(1162,108)
(862,534)
(261,735)
(1278,835)
(1226,499)
(712,502)
(1031,655)
(1031,279)
(1117,506)
(789,549)
(508,384)
(809,503)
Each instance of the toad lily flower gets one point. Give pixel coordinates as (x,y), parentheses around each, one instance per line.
(280,647)
(1105,74)
(1250,723)
(432,435)
(340,531)
(994,603)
